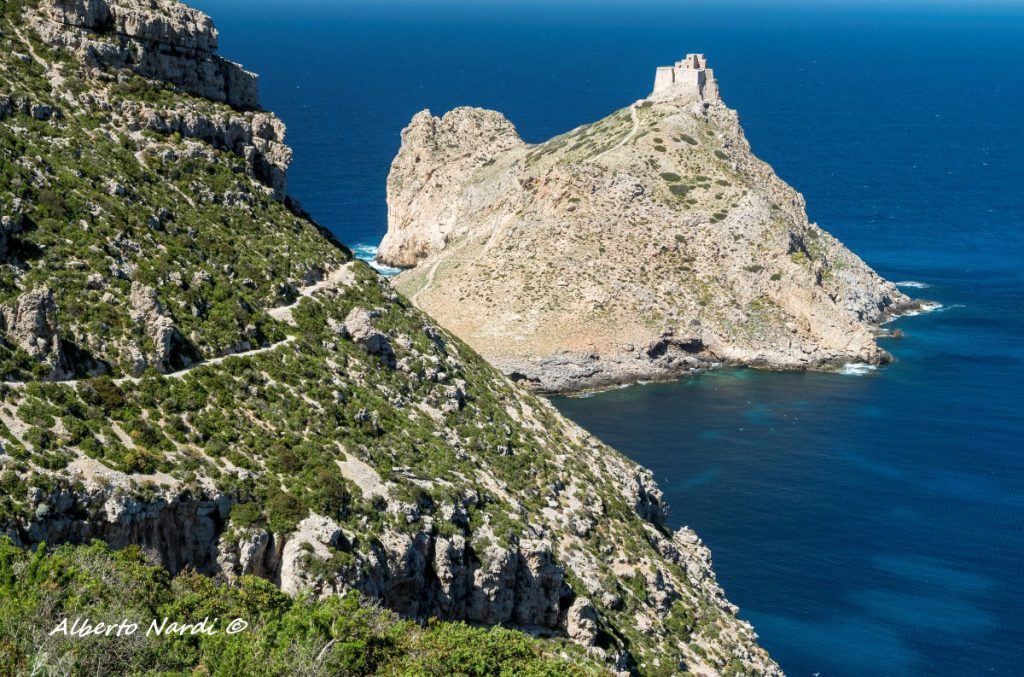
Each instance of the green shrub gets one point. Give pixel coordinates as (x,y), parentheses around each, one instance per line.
(14,8)
(285,511)
(103,392)
(41,439)
(328,493)
(284,635)
(680,621)
(246,515)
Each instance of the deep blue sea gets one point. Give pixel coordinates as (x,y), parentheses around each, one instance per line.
(867,524)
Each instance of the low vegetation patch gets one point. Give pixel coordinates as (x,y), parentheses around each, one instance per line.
(284,635)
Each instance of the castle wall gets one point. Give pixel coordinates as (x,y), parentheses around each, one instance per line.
(663,77)
(710,85)
(689,77)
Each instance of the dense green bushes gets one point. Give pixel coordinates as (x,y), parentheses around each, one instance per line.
(213,243)
(285,636)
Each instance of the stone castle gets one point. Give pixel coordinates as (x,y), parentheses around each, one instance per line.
(691,76)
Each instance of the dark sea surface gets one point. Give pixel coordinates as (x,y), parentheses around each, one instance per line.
(866,524)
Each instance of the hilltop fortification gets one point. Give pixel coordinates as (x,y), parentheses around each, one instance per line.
(688,78)
(646,245)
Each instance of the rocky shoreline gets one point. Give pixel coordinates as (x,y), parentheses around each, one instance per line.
(579,375)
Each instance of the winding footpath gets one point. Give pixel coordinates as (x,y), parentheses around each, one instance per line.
(632,132)
(204,363)
(430,280)
(31,51)
(433,269)
(339,276)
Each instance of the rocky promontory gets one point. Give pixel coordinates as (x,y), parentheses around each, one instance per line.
(644,246)
(192,370)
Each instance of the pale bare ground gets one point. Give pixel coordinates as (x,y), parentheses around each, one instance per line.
(632,132)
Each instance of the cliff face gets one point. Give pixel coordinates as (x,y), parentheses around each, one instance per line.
(643,246)
(190,364)
(160,39)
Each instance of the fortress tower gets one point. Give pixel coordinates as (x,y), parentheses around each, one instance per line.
(691,76)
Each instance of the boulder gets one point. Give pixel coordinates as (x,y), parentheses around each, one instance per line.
(359,328)
(581,622)
(147,310)
(31,323)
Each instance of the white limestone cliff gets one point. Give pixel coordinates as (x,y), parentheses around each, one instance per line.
(159,39)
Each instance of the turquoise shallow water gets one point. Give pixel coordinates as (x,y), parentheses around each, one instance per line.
(866,524)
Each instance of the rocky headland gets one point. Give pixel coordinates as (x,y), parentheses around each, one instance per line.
(644,246)
(191,365)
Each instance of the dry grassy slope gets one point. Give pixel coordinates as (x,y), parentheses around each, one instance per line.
(641,246)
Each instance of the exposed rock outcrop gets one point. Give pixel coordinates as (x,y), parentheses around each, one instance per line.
(419,575)
(10,223)
(581,622)
(641,247)
(359,328)
(31,323)
(420,220)
(256,137)
(158,326)
(178,528)
(159,39)
(254,552)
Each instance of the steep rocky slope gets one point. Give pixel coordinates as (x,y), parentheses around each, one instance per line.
(55,588)
(191,365)
(642,246)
